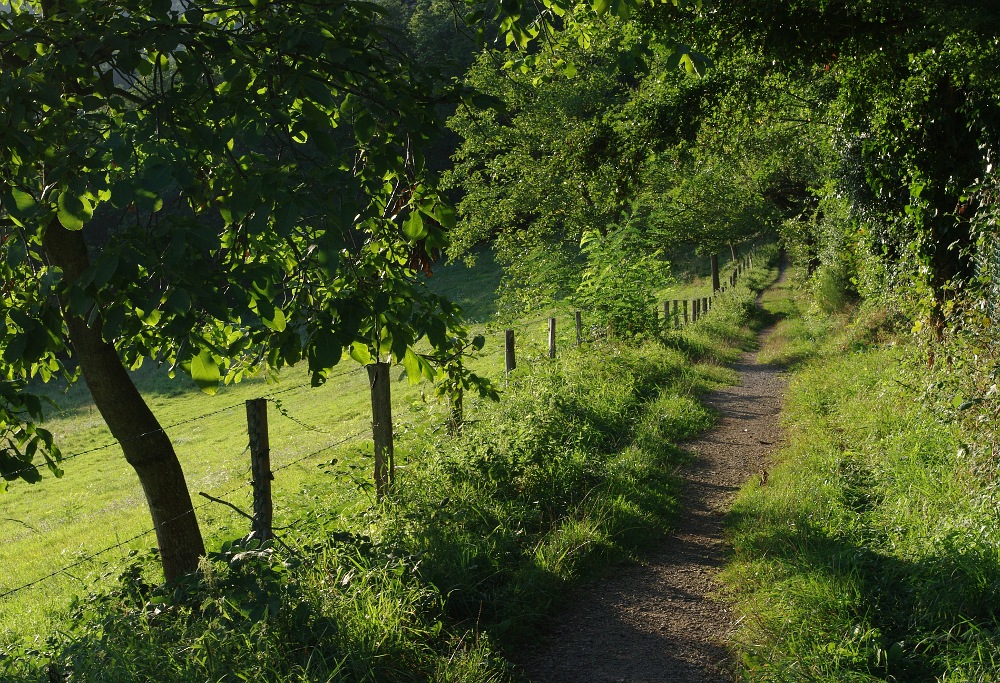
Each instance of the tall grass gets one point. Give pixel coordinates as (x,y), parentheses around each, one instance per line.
(873,551)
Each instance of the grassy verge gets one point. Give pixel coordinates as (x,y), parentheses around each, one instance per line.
(570,472)
(873,552)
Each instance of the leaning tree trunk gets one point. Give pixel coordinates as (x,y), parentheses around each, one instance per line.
(147,448)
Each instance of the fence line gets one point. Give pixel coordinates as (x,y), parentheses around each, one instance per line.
(179,423)
(194,508)
(700,306)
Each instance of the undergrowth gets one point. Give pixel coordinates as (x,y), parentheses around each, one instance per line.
(571,471)
(873,551)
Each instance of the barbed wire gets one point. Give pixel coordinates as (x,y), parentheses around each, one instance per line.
(279,406)
(313,454)
(194,508)
(164,428)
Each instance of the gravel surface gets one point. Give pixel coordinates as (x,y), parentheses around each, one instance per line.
(659,620)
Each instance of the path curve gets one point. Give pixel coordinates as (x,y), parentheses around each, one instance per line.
(658,621)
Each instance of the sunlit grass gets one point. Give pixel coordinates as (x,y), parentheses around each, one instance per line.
(872,551)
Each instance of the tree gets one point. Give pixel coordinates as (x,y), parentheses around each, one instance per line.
(563,153)
(909,91)
(223,188)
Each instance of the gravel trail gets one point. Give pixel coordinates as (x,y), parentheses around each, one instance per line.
(658,621)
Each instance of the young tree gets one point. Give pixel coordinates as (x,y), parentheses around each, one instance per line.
(224,188)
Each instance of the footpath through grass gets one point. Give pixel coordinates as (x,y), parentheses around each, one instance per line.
(873,551)
(570,472)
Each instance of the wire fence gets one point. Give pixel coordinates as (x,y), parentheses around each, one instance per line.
(289,446)
(127,542)
(535,348)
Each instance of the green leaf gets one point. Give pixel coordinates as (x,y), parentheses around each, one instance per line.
(205,372)
(414,228)
(15,348)
(411,363)
(24,202)
(277,321)
(361,353)
(442,213)
(179,301)
(105,268)
(417,367)
(364,127)
(74,210)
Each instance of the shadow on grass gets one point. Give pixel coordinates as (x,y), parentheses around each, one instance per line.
(884,616)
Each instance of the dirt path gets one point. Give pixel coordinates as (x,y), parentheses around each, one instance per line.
(657,621)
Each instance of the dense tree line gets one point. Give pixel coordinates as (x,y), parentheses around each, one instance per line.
(864,133)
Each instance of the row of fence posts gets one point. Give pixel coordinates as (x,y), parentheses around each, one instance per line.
(676,310)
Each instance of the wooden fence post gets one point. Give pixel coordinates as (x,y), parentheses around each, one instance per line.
(552,337)
(456,418)
(685,311)
(666,314)
(260,468)
(677,315)
(704,305)
(715,273)
(509,362)
(378,376)
(579,328)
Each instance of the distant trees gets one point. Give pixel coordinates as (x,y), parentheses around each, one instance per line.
(564,152)
(866,133)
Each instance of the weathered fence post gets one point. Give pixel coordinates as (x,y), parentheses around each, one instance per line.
(715,273)
(552,337)
(685,311)
(509,362)
(666,314)
(704,305)
(260,468)
(456,417)
(378,376)
(579,328)
(677,315)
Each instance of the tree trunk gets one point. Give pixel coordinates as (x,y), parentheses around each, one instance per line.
(146,446)
(381,392)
